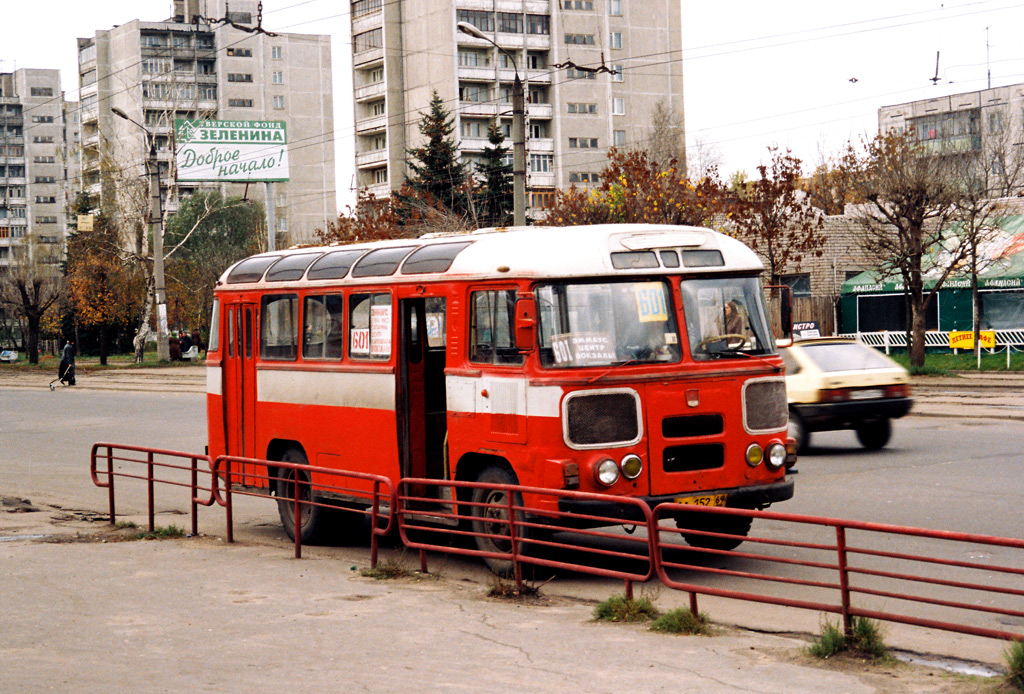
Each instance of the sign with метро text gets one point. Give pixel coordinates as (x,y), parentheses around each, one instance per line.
(236,151)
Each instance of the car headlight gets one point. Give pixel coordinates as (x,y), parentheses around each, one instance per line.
(776,456)
(632,466)
(754,455)
(606,472)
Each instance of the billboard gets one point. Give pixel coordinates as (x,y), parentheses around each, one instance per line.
(238,151)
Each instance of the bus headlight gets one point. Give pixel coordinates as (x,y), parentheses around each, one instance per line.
(606,472)
(632,466)
(776,456)
(754,455)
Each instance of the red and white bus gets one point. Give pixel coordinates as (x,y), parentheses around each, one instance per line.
(622,359)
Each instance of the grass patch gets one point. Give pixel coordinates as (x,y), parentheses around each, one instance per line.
(947,364)
(386,569)
(1014,657)
(169,533)
(865,640)
(619,608)
(682,621)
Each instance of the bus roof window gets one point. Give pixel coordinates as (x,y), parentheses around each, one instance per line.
(632,260)
(669,258)
(703,259)
(434,258)
(381,262)
(251,269)
(290,267)
(334,265)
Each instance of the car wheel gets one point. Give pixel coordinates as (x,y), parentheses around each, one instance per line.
(875,434)
(715,523)
(799,432)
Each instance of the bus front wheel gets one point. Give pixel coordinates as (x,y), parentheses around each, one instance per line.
(490,517)
(737,526)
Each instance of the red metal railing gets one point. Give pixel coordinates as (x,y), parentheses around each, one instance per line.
(252,477)
(122,460)
(529,538)
(840,572)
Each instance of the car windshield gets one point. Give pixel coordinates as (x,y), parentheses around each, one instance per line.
(846,356)
(725,317)
(607,323)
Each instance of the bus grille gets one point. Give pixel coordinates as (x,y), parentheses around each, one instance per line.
(764,405)
(602,419)
(704,456)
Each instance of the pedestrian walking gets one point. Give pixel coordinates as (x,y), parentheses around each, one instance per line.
(66,369)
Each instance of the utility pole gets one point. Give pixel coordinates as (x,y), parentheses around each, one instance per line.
(518,130)
(156,226)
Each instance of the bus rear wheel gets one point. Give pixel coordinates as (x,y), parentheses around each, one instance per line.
(312,521)
(715,523)
(490,518)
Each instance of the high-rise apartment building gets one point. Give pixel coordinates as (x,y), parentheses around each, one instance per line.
(32,159)
(196,66)
(594,73)
(985,125)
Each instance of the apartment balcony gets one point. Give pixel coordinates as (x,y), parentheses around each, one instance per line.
(366,22)
(540,110)
(370,91)
(370,56)
(475,144)
(378,190)
(538,76)
(16,181)
(484,110)
(370,125)
(477,73)
(92,140)
(17,202)
(90,114)
(12,120)
(540,180)
(540,144)
(373,158)
(13,140)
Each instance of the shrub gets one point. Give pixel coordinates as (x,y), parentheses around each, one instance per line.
(619,608)
(682,621)
(1014,657)
(865,639)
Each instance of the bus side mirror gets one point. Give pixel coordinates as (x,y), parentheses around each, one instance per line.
(526,323)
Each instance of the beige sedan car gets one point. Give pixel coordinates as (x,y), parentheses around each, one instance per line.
(839,383)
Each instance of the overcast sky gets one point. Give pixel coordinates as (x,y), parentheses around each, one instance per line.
(805,74)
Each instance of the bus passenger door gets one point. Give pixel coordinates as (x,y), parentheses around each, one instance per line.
(240,382)
(422,409)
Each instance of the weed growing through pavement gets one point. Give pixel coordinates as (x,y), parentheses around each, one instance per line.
(1014,657)
(865,640)
(682,621)
(619,608)
(386,569)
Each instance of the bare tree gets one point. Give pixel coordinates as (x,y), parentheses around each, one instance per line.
(665,144)
(29,287)
(703,160)
(911,199)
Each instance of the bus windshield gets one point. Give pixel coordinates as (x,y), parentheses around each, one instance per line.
(725,317)
(607,323)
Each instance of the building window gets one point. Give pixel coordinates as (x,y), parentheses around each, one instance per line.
(45,199)
(43,139)
(619,138)
(481,19)
(474,92)
(578,4)
(282,224)
(277,52)
(277,77)
(799,285)
(377,108)
(589,109)
(380,142)
(582,143)
(510,23)
(471,58)
(574,74)
(580,39)
(615,8)
(149,41)
(278,102)
(44,179)
(239,77)
(374,38)
(42,119)
(363,7)
(208,92)
(584,177)
(618,107)
(536,61)
(538,131)
(376,75)
(538,24)
(240,103)
(615,39)
(473,128)
(380,176)
(541,199)
(617,73)
(240,52)
(43,160)
(180,41)
(46,219)
(542,163)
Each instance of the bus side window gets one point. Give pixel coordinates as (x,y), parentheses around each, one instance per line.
(369,326)
(323,327)
(492,334)
(279,329)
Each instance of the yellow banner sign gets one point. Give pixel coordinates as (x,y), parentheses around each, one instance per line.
(964,339)
(85,222)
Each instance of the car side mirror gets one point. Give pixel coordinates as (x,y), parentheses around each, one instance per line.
(526,323)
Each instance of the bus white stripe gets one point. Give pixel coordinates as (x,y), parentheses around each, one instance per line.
(213,380)
(331,388)
(465,394)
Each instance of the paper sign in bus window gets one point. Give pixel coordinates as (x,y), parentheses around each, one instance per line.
(651,305)
(582,349)
(360,341)
(380,331)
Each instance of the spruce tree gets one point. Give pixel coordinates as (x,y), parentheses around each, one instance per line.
(435,168)
(496,201)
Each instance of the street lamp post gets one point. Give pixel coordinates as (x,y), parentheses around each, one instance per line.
(518,130)
(163,352)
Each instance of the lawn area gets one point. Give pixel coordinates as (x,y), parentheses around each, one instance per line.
(49,362)
(950,363)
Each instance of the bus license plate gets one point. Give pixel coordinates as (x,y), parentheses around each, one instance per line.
(706,500)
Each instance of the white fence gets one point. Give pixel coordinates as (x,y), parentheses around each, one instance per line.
(932,338)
